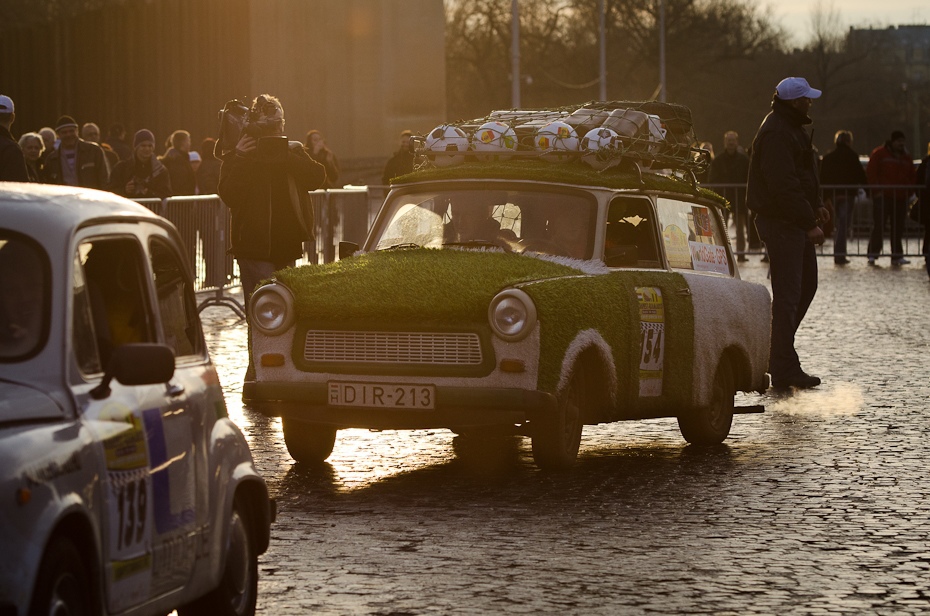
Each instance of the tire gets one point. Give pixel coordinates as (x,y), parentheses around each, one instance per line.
(63,584)
(711,425)
(237,591)
(306,442)
(556,438)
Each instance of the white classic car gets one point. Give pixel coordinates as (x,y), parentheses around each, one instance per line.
(507,293)
(126,489)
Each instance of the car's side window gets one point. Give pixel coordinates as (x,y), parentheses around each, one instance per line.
(693,237)
(630,239)
(24,296)
(110,300)
(175,301)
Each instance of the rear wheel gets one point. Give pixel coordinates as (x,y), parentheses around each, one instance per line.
(711,425)
(63,586)
(238,588)
(307,442)
(556,438)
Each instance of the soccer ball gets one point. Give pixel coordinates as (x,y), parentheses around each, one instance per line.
(442,141)
(492,138)
(601,147)
(556,140)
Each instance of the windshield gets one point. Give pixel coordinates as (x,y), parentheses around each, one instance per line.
(556,223)
(24,288)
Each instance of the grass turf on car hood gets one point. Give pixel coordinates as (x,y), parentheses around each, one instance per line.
(412,286)
(578,174)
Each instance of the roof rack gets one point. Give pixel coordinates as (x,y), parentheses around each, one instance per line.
(604,134)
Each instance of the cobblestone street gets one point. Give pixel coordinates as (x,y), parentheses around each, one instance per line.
(821,505)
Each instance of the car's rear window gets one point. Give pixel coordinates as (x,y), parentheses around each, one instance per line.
(549,222)
(24,296)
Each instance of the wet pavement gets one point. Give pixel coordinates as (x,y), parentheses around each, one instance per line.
(821,505)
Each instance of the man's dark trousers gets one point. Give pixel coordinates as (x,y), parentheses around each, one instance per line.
(793,262)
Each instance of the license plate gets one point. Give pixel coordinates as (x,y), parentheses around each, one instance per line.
(382,395)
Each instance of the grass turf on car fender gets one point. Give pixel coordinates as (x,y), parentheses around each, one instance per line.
(608,304)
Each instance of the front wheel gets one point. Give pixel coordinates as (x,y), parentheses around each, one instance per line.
(63,585)
(711,425)
(238,588)
(556,438)
(306,442)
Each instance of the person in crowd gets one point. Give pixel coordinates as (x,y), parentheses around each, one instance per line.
(732,167)
(177,159)
(402,160)
(116,139)
(12,161)
(195,165)
(890,165)
(923,204)
(841,168)
(320,152)
(208,175)
(269,220)
(142,176)
(90,133)
(50,139)
(32,146)
(784,192)
(76,162)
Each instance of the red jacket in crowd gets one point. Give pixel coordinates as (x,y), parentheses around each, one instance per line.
(890,169)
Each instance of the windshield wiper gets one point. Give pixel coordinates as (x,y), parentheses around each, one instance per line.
(401,246)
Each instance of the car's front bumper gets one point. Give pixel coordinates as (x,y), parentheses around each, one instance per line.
(456,407)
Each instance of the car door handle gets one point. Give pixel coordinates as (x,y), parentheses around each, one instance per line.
(686,292)
(174,390)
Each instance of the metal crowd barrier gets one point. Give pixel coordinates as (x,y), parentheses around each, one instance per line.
(858,222)
(204,226)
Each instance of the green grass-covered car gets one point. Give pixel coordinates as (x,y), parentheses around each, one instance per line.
(520,297)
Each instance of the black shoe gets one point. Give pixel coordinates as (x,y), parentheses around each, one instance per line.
(801,381)
(742,258)
(843,261)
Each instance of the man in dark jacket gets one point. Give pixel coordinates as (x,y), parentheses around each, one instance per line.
(142,176)
(265,184)
(402,161)
(732,167)
(841,168)
(890,165)
(76,162)
(784,192)
(12,161)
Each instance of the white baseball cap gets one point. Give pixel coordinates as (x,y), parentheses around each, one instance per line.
(6,104)
(791,88)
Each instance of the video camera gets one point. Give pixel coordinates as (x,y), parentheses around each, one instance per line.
(236,119)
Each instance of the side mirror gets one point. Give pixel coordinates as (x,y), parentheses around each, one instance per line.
(136,364)
(347,249)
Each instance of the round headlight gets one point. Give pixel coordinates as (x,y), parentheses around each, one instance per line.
(512,314)
(272,309)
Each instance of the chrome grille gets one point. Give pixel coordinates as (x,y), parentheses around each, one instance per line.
(437,349)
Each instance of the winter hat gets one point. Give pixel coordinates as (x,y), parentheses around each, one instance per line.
(895,135)
(6,104)
(65,121)
(143,135)
(194,156)
(792,88)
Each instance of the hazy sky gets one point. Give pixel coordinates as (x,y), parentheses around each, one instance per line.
(795,14)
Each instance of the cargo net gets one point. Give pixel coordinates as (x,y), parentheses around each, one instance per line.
(604,135)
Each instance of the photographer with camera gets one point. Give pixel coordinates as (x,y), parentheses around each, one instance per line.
(264,182)
(143,175)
